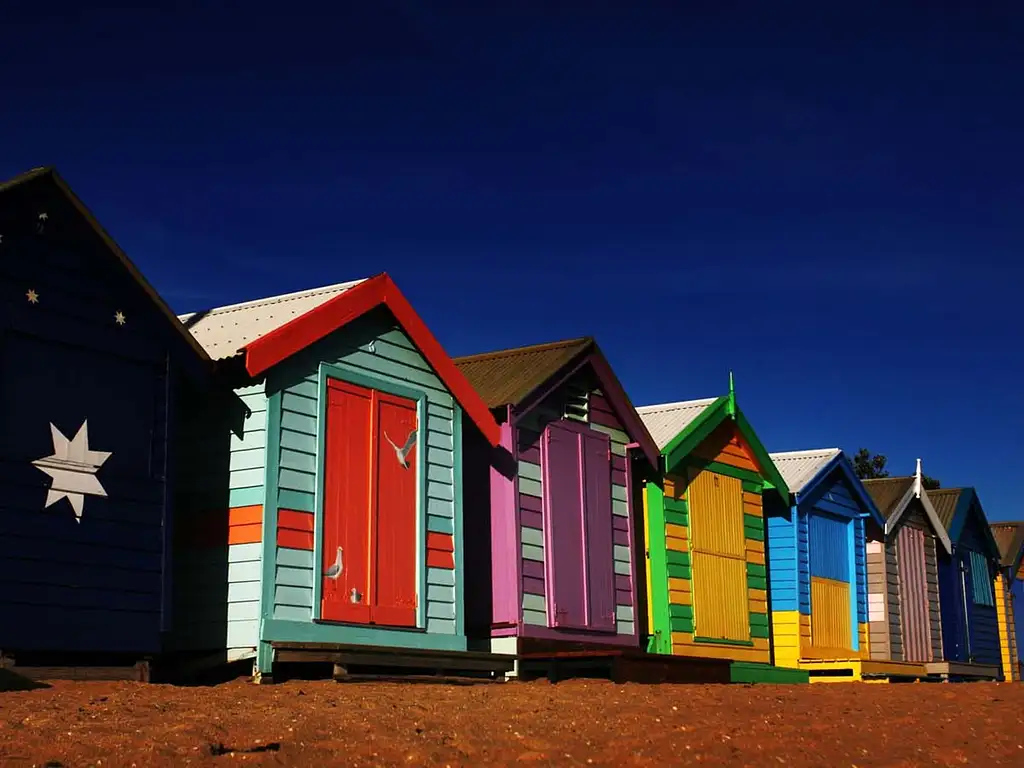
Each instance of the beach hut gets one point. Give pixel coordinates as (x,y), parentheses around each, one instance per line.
(1010,595)
(817,568)
(561,571)
(325,512)
(904,615)
(967,595)
(706,564)
(94,366)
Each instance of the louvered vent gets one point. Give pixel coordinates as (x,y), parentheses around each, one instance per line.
(577,404)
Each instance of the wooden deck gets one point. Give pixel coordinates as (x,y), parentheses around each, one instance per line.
(962,671)
(863,670)
(137,672)
(622,665)
(374,661)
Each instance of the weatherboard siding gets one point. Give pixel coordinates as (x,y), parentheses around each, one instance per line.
(878,599)
(98,585)
(886,574)
(984,622)
(219,554)
(599,417)
(793,561)
(373,346)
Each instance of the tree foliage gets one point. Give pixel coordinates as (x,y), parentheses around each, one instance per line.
(869,466)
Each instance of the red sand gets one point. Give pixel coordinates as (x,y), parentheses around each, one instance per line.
(571,723)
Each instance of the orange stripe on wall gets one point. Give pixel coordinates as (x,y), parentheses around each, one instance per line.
(295,529)
(219,528)
(245,525)
(440,550)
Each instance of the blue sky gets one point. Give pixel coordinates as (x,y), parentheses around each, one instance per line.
(826,201)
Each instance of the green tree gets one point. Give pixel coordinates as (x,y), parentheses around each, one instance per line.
(869,466)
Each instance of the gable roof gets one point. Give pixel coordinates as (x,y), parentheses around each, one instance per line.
(799,468)
(954,506)
(522,376)
(893,495)
(696,420)
(1010,538)
(49,173)
(509,376)
(270,330)
(804,470)
(945,501)
(667,420)
(225,331)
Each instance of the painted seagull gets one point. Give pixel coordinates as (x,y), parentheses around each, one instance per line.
(335,570)
(403,452)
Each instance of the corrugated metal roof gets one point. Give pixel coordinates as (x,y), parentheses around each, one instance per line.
(798,468)
(886,492)
(223,331)
(1010,538)
(667,420)
(508,376)
(945,501)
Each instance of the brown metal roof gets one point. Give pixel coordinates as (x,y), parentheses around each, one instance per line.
(508,376)
(1010,538)
(944,501)
(886,492)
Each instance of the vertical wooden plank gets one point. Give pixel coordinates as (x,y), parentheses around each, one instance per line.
(718,557)
(600,586)
(913,594)
(347,490)
(563,527)
(830,614)
(393,543)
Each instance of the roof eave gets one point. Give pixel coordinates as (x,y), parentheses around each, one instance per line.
(308,328)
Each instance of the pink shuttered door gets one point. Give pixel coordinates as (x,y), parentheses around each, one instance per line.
(578,524)
(910,544)
(563,524)
(597,484)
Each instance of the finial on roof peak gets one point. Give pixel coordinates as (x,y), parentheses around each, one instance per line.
(732,394)
(918,484)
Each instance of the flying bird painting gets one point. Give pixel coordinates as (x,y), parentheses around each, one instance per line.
(403,452)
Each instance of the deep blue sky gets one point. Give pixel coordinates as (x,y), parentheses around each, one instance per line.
(827,201)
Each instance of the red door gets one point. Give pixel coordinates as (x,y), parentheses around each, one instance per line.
(369,507)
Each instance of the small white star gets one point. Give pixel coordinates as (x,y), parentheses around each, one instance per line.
(32,296)
(44,216)
(119,318)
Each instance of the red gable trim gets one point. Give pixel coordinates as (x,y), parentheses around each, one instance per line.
(309,328)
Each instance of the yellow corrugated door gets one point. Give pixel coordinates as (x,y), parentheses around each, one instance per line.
(830,619)
(718,562)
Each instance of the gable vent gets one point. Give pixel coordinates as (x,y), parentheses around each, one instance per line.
(577,404)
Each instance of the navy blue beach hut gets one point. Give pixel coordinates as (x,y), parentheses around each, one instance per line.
(94,366)
(970,622)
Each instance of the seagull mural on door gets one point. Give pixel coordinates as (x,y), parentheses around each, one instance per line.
(403,452)
(72,468)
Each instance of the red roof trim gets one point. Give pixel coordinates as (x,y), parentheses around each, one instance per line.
(309,328)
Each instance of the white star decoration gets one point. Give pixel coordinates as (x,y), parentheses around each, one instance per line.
(73,469)
(119,318)
(32,296)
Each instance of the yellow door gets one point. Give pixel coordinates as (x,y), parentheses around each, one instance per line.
(718,557)
(830,614)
